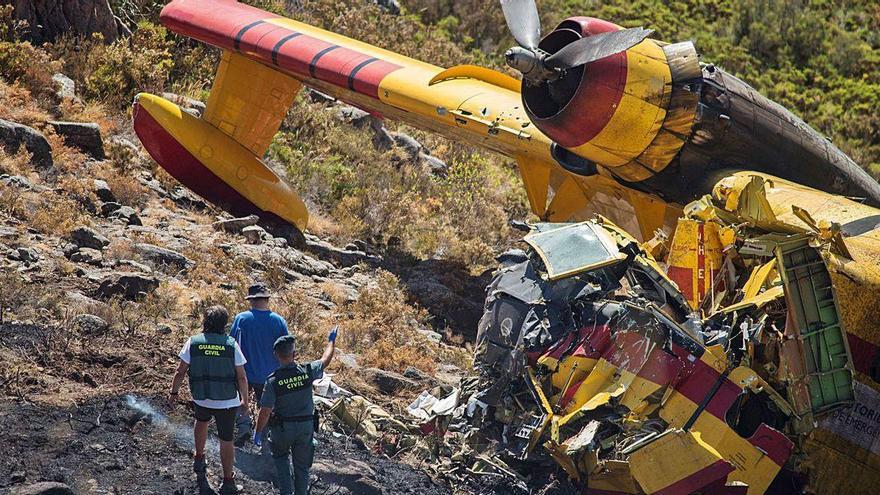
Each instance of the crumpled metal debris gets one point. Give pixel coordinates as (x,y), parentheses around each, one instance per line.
(715,370)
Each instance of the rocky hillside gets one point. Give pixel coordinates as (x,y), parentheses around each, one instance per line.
(106,263)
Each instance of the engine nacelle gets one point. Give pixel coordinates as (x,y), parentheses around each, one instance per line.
(655,118)
(629,112)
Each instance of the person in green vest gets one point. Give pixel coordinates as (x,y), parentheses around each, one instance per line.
(218,384)
(288,408)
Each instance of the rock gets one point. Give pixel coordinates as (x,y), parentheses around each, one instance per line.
(131,264)
(438,167)
(407,143)
(354,116)
(344,257)
(197,108)
(66,87)
(89,256)
(128,285)
(253,234)
(125,213)
(285,231)
(84,136)
(389,382)
(48,19)
(69,249)
(26,255)
(390,6)
(382,139)
(319,97)
(235,225)
(164,329)
(13,136)
(162,256)
(125,144)
(87,237)
(16,181)
(415,373)
(43,488)
(183,197)
(17,477)
(90,324)
(102,191)
(109,207)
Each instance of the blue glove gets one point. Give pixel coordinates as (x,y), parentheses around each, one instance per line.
(332,336)
(258,438)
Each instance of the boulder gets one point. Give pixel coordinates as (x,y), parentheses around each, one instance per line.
(354,116)
(125,213)
(196,107)
(389,382)
(162,256)
(43,488)
(69,249)
(128,285)
(89,324)
(26,255)
(184,197)
(407,143)
(84,136)
(48,19)
(109,207)
(253,234)
(16,181)
(86,237)
(66,87)
(236,225)
(390,6)
(318,97)
(13,136)
(132,265)
(102,191)
(437,166)
(88,255)
(343,257)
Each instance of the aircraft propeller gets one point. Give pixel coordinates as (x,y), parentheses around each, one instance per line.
(538,66)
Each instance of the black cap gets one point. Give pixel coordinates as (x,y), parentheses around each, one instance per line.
(258,291)
(285,343)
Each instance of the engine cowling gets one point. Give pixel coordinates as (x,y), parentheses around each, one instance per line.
(618,111)
(655,118)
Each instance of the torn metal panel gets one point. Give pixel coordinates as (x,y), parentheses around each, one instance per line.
(815,327)
(678,462)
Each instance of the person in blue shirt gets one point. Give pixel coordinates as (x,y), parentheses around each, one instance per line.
(256,331)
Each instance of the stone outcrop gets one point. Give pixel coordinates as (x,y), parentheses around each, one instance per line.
(84,136)
(13,136)
(48,19)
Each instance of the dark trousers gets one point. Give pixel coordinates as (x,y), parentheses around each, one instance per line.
(293,439)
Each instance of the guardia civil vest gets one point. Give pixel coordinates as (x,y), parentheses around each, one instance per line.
(212,367)
(293,388)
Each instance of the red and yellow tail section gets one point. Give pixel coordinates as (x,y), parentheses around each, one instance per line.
(266,59)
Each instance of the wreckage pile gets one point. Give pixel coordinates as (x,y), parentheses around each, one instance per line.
(706,375)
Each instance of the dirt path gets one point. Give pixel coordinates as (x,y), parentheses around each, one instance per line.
(105,447)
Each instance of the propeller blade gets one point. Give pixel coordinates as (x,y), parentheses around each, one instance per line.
(598,46)
(523,22)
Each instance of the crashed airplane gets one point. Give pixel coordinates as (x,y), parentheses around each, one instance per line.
(695,312)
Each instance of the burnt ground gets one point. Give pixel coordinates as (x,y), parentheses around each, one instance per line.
(106,447)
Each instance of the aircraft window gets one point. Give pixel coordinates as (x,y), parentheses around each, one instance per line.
(574,249)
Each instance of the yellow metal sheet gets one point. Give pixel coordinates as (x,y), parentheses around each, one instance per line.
(249,100)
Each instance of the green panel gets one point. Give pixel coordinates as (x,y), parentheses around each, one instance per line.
(826,357)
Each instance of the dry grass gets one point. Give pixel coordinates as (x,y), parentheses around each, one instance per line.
(55,215)
(19,105)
